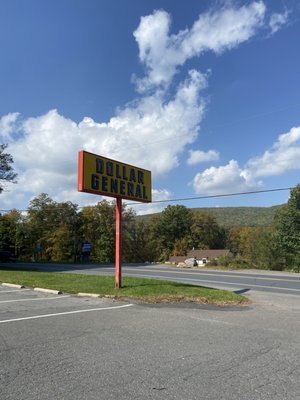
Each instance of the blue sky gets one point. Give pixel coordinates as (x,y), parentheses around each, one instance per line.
(205,94)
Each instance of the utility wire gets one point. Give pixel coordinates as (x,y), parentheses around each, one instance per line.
(223,195)
(184,198)
(217,195)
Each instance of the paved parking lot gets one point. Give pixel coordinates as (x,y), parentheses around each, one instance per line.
(25,304)
(60,346)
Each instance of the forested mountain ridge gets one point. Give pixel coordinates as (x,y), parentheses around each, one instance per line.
(242,216)
(236,216)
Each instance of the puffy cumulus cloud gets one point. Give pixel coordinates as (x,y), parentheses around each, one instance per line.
(142,132)
(283,156)
(219,30)
(288,139)
(47,144)
(7,126)
(225,179)
(199,156)
(46,147)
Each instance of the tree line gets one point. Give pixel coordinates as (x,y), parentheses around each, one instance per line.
(54,231)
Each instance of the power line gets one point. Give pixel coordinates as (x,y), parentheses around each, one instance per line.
(180,199)
(217,195)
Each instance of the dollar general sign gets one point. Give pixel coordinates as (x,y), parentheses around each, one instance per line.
(103,176)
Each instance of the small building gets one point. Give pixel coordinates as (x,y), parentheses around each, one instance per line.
(202,256)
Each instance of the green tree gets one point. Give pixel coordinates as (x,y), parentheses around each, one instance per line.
(98,228)
(62,240)
(23,239)
(287,228)
(60,244)
(7,173)
(41,222)
(137,244)
(240,240)
(15,234)
(181,247)
(154,225)
(9,224)
(173,224)
(206,233)
(264,252)
(53,228)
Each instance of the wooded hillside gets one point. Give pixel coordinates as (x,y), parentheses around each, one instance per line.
(237,216)
(242,216)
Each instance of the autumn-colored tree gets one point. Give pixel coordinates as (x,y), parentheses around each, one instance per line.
(174,223)
(9,231)
(265,252)
(181,247)
(239,240)
(53,228)
(62,241)
(98,228)
(137,243)
(206,233)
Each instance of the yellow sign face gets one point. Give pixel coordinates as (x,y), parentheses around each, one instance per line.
(103,176)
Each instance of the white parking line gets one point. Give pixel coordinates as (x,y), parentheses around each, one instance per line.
(42,298)
(64,313)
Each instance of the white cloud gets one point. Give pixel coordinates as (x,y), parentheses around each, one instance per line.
(288,139)
(46,147)
(80,198)
(198,156)
(224,29)
(152,208)
(7,125)
(225,179)
(283,156)
(217,31)
(277,21)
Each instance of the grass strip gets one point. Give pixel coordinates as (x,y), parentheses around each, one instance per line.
(145,290)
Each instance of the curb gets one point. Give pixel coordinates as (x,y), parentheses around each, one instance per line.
(37,289)
(13,285)
(88,295)
(48,290)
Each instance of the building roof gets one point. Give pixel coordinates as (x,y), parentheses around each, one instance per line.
(199,254)
(210,254)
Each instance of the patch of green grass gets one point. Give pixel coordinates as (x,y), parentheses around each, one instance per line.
(146,290)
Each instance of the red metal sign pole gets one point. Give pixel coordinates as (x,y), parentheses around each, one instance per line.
(118,275)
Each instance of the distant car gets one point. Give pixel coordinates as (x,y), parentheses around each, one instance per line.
(7,256)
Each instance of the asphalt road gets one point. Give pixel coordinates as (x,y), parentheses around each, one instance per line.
(235,281)
(240,281)
(65,347)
